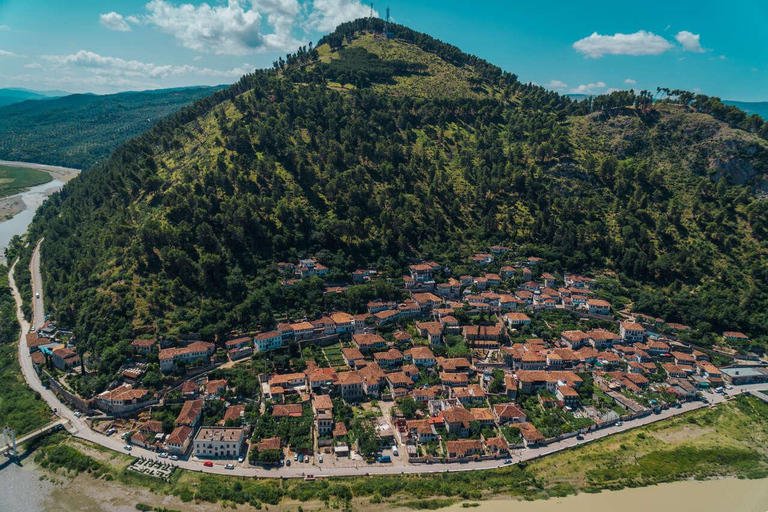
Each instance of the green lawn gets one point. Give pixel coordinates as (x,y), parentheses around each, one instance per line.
(16,179)
(20,407)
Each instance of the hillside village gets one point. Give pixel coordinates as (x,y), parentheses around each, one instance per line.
(466,367)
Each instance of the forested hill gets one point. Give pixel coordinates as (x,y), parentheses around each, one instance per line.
(80,129)
(374,151)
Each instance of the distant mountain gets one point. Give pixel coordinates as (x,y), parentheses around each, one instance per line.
(10,96)
(751,107)
(80,129)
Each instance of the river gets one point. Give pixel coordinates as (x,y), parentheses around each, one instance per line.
(722,495)
(31,200)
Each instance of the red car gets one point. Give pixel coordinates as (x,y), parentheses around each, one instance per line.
(208,464)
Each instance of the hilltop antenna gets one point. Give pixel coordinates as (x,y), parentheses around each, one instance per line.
(387,15)
(371,15)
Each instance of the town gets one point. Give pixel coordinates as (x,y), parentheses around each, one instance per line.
(464,368)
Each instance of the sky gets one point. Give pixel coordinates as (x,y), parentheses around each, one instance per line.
(715,47)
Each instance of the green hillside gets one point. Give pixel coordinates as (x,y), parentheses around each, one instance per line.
(373,151)
(81,129)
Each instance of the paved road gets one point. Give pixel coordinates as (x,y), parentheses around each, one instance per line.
(80,429)
(38,308)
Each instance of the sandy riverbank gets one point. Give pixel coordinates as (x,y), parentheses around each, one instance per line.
(10,206)
(58,173)
(725,494)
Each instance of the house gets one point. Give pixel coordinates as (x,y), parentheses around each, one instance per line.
(190,413)
(124,399)
(143,346)
(454,379)
(64,358)
(433,331)
(389,358)
(631,332)
(344,322)
(480,335)
(425,394)
(454,364)
(198,351)
(421,273)
(399,384)
(601,339)
(269,444)
(268,340)
(218,442)
(735,336)
(422,430)
(322,379)
(568,395)
(533,380)
(674,371)
(515,320)
(289,381)
(386,316)
(368,342)
(177,441)
(323,409)
(471,394)
(239,348)
(463,448)
(457,420)
(350,386)
(373,377)
(574,339)
(215,387)
(497,446)
(484,416)
(287,411)
(658,348)
(598,307)
(234,413)
(426,301)
(508,413)
(531,435)
(352,356)
(421,356)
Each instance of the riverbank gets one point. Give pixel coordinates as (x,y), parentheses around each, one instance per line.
(17,211)
(688,496)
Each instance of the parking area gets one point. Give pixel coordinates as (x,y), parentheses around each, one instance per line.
(152,468)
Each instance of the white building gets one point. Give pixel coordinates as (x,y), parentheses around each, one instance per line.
(267,341)
(218,442)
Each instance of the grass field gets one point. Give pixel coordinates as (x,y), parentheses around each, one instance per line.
(20,407)
(17,179)
(731,440)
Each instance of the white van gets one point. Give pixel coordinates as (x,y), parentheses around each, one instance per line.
(394,451)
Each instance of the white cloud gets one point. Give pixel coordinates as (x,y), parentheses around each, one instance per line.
(6,53)
(639,43)
(689,41)
(132,19)
(229,29)
(4,27)
(556,84)
(630,81)
(114,21)
(590,88)
(328,14)
(34,65)
(115,66)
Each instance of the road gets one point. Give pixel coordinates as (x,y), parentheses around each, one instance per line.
(77,427)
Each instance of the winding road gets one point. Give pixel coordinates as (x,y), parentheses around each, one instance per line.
(80,429)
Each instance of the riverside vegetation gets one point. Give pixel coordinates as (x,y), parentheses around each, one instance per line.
(374,151)
(730,440)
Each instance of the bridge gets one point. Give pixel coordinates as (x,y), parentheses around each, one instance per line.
(10,443)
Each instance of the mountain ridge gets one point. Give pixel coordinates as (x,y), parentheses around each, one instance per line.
(181,228)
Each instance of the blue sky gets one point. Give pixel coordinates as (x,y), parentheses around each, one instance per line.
(719,48)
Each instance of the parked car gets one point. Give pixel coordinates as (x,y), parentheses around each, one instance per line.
(241,459)
(288,463)
(507,461)
(174,457)
(320,458)
(127,447)
(208,464)
(306,459)
(77,414)
(110,431)
(580,437)
(162,455)
(37,295)
(295,456)
(301,457)
(619,423)
(229,466)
